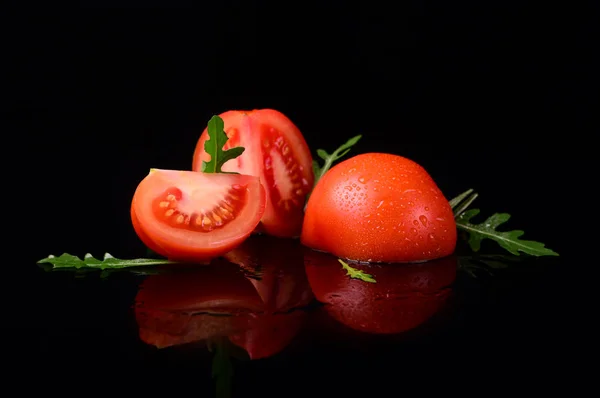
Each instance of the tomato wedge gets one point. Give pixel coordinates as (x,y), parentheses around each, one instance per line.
(189,216)
(275,151)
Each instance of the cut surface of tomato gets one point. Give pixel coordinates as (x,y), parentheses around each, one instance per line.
(379,207)
(275,151)
(190,216)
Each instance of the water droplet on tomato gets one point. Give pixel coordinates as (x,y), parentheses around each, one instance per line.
(423,220)
(431,237)
(362,180)
(415,222)
(426,208)
(413,230)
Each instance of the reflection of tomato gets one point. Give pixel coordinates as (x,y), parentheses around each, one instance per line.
(268,334)
(379,207)
(275,151)
(185,215)
(404,296)
(278,262)
(200,304)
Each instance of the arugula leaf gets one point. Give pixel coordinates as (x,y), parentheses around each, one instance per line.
(214,147)
(109,262)
(463,201)
(330,158)
(356,273)
(509,240)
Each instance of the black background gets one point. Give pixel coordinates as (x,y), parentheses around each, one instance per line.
(492,96)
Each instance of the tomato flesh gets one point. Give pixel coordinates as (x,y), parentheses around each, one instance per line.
(276,152)
(378,207)
(189,216)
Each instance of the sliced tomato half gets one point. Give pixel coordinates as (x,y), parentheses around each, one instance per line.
(189,216)
(275,151)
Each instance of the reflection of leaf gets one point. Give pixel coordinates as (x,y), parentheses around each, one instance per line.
(222,370)
(487,263)
(356,273)
(109,262)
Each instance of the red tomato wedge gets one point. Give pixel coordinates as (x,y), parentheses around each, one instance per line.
(275,151)
(189,216)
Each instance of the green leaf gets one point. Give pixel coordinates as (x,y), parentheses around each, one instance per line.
(330,158)
(462,201)
(509,240)
(214,147)
(109,262)
(322,154)
(356,273)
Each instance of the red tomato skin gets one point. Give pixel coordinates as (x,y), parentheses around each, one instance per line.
(378,207)
(257,131)
(188,249)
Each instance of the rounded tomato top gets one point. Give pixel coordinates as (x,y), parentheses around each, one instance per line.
(379,207)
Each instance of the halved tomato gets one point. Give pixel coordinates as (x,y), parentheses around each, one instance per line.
(189,216)
(275,151)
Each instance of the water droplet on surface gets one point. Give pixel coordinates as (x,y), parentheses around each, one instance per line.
(380,204)
(413,230)
(415,222)
(423,220)
(426,208)
(362,180)
(431,237)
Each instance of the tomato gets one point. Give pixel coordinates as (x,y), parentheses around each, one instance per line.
(378,207)
(404,296)
(278,263)
(189,216)
(275,151)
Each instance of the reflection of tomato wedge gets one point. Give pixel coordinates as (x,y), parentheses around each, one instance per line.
(404,297)
(275,151)
(268,334)
(278,264)
(204,303)
(184,215)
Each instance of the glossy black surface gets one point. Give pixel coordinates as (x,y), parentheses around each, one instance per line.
(289,320)
(484,96)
